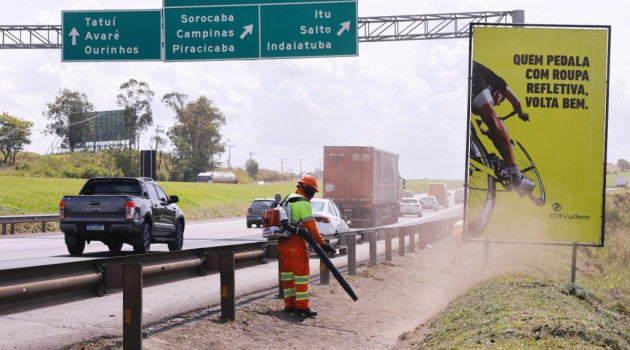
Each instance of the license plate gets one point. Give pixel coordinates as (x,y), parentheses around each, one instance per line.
(97,227)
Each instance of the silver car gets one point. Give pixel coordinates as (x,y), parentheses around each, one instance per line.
(429,202)
(328,217)
(410,206)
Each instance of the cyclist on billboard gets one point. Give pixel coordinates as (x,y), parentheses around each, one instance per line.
(488,90)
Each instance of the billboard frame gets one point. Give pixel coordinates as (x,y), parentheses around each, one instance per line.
(469,128)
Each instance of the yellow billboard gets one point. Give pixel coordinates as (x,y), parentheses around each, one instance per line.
(537,134)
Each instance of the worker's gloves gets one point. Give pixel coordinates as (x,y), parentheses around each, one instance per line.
(327,248)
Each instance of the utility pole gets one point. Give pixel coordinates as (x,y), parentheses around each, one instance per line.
(158,131)
(251,154)
(282,166)
(229,164)
(300,174)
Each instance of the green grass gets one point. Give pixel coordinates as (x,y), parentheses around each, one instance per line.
(541,309)
(199,201)
(522,312)
(34,195)
(422,186)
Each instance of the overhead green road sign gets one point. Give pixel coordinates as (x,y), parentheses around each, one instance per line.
(117,35)
(193,3)
(309,30)
(211,33)
(248,29)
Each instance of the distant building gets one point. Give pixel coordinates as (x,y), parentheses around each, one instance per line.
(612,168)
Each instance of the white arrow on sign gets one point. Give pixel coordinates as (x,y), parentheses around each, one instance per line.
(74,34)
(249,29)
(345,26)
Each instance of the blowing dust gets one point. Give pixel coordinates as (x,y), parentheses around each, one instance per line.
(396,298)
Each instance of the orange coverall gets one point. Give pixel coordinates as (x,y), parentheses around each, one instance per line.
(294,260)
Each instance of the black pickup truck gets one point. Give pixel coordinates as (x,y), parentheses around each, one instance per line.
(117,210)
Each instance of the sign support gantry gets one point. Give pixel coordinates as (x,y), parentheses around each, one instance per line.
(381,28)
(428,27)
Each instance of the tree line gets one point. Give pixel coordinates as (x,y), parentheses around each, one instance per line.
(195,135)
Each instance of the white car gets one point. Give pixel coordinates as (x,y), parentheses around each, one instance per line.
(410,206)
(429,202)
(328,217)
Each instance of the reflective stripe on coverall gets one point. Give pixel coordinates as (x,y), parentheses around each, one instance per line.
(294,260)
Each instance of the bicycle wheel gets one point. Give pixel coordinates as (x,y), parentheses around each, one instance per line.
(481,189)
(526,164)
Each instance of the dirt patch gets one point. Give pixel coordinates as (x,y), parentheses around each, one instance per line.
(395,299)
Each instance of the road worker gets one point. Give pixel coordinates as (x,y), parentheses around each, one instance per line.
(294,257)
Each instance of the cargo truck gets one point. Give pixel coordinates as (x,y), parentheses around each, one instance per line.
(440,192)
(364,183)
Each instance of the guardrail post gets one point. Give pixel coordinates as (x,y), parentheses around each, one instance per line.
(352,255)
(422,232)
(132,306)
(412,238)
(388,244)
(12,228)
(43,226)
(487,251)
(373,248)
(226,266)
(4,229)
(324,272)
(573,262)
(401,241)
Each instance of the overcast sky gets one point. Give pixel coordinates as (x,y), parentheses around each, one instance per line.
(405,97)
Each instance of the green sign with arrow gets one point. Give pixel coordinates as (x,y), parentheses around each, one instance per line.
(117,35)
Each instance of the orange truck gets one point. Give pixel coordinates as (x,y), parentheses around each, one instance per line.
(440,192)
(364,182)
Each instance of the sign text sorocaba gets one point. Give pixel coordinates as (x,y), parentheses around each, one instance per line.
(117,35)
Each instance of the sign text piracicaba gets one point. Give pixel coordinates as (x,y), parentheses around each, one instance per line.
(111,35)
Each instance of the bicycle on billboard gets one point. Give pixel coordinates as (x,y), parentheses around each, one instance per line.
(487,171)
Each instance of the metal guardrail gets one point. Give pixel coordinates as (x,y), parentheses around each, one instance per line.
(34,287)
(23,219)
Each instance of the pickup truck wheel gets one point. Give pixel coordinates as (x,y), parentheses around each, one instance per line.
(249,225)
(76,248)
(178,243)
(115,247)
(144,246)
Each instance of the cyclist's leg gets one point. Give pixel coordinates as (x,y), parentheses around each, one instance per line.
(497,132)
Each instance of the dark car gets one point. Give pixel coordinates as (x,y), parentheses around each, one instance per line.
(256,209)
(117,210)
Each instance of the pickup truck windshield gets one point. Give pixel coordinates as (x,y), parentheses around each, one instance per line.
(117,186)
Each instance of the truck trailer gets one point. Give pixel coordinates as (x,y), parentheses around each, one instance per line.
(364,183)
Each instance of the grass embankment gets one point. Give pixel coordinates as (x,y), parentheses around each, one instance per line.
(26,195)
(541,309)
(199,201)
